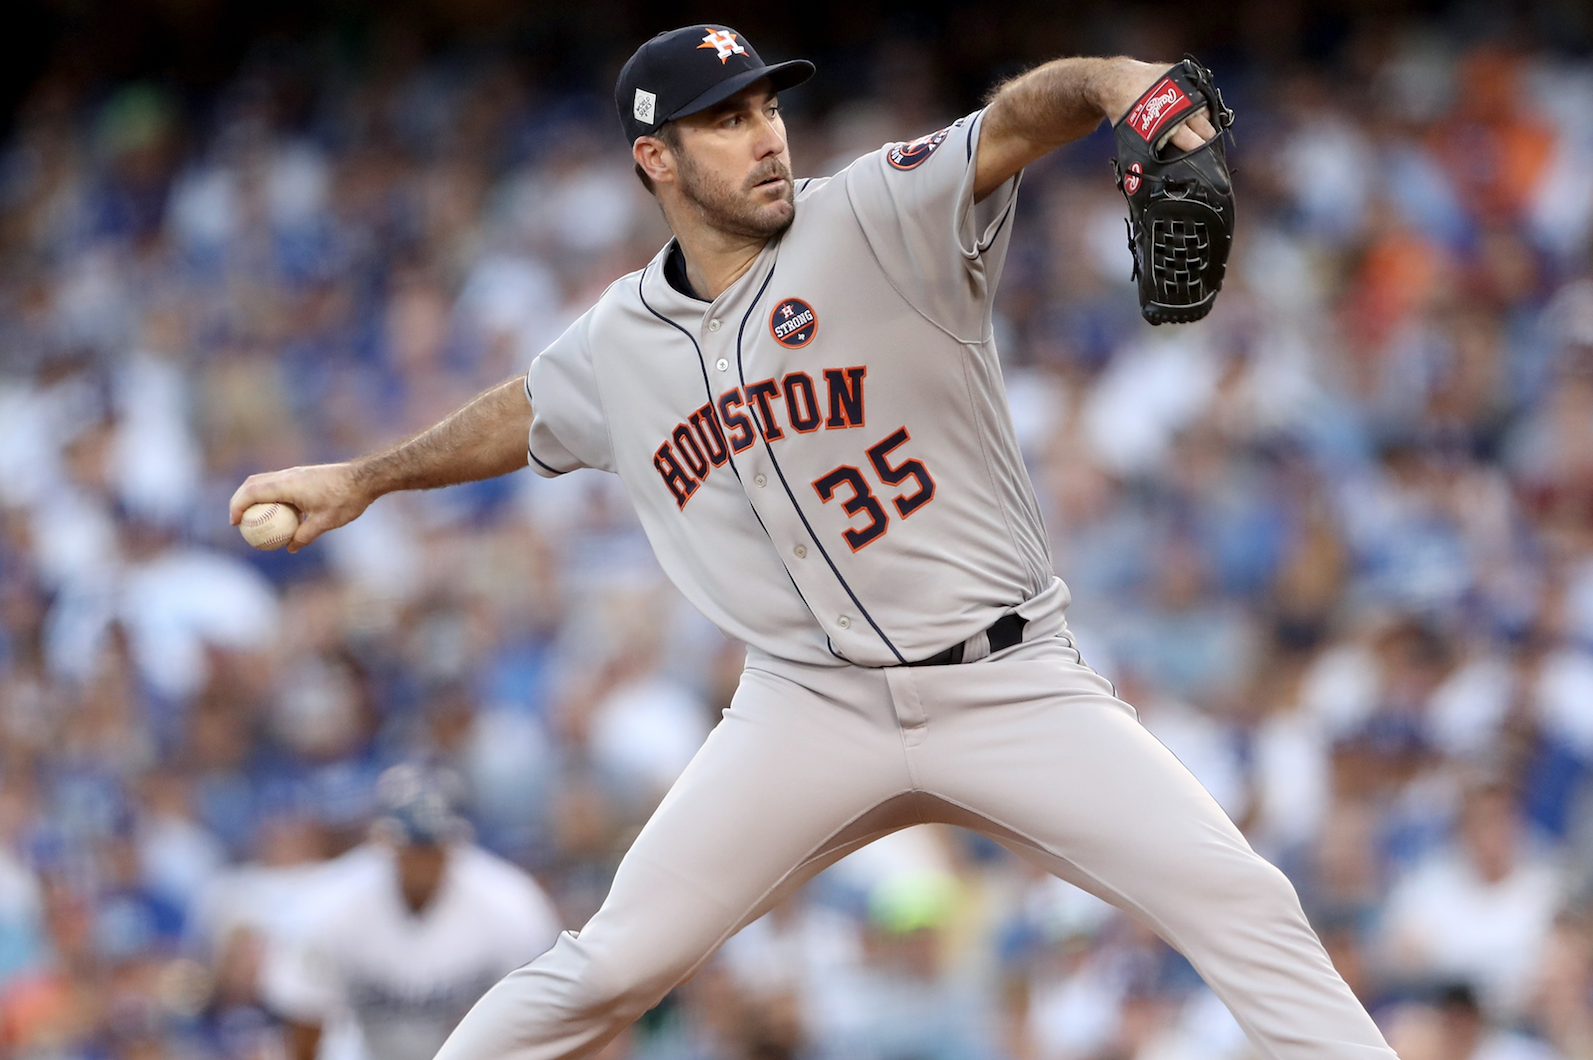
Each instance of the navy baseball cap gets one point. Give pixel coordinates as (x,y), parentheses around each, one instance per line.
(690,69)
(417,805)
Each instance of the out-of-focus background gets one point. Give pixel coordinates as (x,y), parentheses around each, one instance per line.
(1336,542)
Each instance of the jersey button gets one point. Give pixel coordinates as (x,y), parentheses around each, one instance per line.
(759,480)
(844,622)
(801,551)
(721,364)
(713,325)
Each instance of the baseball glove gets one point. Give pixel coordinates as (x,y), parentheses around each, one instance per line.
(1180,205)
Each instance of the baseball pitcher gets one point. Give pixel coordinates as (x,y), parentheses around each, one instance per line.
(802,396)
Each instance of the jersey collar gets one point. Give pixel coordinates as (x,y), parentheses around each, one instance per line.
(662,296)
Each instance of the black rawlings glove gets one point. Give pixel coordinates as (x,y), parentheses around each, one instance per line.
(1180,205)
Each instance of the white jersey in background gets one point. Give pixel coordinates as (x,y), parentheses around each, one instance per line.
(404,979)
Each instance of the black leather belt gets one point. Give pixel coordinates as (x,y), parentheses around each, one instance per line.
(1004,633)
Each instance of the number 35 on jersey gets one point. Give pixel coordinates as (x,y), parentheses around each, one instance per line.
(834,400)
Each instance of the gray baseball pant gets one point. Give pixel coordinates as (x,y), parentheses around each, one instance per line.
(1030,747)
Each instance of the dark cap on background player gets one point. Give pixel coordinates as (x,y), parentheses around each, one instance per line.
(417,806)
(690,69)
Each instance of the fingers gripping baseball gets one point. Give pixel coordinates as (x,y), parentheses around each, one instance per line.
(326,495)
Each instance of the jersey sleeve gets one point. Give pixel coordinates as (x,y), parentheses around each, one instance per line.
(915,203)
(568,428)
(299,980)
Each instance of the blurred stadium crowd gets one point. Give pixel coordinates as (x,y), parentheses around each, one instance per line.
(1336,543)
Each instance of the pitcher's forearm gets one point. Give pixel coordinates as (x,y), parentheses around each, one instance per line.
(1054,103)
(1063,100)
(483,439)
(486,437)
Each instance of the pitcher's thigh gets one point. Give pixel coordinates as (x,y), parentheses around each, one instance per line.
(1080,776)
(1075,783)
(777,782)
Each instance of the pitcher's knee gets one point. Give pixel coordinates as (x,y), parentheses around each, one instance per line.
(1274,893)
(622,986)
(1235,882)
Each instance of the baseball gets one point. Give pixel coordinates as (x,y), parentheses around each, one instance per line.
(269,525)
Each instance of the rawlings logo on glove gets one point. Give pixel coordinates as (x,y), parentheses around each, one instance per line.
(1156,108)
(1180,207)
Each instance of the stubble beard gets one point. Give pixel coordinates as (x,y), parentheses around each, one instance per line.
(732,210)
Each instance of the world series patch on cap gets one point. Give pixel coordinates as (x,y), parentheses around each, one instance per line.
(690,69)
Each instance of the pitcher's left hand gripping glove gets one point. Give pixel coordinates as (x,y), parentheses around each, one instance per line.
(1180,203)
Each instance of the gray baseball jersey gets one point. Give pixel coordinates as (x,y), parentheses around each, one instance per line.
(822,457)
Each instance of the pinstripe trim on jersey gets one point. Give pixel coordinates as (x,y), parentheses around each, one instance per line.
(540,463)
(528,451)
(702,365)
(980,248)
(741,372)
(987,244)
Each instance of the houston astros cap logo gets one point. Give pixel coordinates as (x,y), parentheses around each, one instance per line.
(793,323)
(669,77)
(724,42)
(909,155)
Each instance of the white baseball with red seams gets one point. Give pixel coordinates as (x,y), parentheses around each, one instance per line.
(269,525)
(847,496)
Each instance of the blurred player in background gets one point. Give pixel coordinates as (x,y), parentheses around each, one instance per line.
(397,948)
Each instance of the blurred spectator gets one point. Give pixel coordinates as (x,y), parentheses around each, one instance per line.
(1478,912)
(1454,1027)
